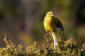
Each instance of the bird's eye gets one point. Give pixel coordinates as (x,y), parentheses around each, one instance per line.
(49,14)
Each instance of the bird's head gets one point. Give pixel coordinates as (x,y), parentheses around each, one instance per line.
(49,14)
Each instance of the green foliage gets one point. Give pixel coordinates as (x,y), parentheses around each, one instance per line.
(65,48)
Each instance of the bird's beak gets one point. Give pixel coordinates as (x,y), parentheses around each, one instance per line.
(52,15)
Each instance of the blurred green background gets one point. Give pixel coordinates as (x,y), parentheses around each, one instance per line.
(22,20)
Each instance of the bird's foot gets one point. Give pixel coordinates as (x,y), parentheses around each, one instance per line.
(47,34)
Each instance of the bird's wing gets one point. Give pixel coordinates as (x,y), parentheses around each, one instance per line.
(56,22)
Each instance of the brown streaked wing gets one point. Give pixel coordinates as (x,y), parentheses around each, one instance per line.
(57,23)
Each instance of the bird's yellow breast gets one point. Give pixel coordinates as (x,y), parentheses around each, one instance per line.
(48,24)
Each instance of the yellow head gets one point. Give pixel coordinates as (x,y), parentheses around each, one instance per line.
(49,14)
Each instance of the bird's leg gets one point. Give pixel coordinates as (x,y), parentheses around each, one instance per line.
(47,37)
(47,34)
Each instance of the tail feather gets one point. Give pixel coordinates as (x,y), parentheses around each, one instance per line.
(54,38)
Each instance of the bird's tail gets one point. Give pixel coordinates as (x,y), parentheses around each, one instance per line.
(54,38)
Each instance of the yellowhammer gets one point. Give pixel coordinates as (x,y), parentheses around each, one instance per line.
(51,24)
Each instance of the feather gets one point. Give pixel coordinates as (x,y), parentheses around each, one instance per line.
(54,39)
(56,22)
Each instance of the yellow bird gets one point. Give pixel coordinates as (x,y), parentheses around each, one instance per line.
(51,24)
